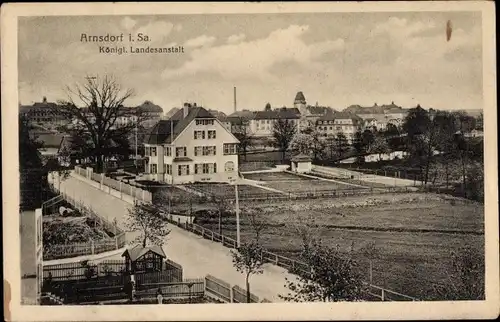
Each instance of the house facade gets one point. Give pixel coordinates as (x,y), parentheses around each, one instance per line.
(192,146)
(332,124)
(263,121)
(44,114)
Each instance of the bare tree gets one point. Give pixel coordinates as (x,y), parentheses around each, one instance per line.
(97,108)
(254,218)
(248,260)
(283,133)
(148,221)
(243,134)
(222,205)
(371,252)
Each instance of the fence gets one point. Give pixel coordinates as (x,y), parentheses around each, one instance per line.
(240,296)
(88,248)
(187,288)
(218,288)
(116,188)
(290,264)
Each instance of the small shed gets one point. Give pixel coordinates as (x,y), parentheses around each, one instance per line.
(301,163)
(144,259)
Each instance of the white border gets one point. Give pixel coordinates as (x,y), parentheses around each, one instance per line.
(489,308)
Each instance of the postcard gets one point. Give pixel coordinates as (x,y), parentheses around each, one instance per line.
(249,161)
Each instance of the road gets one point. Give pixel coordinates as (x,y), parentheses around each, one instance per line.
(197,256)
(366,177)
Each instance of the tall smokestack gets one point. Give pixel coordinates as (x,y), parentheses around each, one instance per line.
(235,98)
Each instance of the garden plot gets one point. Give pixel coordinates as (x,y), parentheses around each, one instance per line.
(227,190)
(291,183)
(174,193)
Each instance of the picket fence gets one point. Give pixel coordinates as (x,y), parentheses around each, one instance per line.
(91,247)
(71,283)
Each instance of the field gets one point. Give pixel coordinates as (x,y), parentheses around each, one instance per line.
(292,183)
(414,234)
(166,191)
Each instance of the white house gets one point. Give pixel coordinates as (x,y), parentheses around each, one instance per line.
(262,124)
(332,124)
(191,146)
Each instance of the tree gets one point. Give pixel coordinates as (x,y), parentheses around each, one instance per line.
(379,146)
(102,108)
(248,261)
(465,276)
(283,133)
(148,221)
(329,277)
(268,107)
(222,206)
(341,144)
(254,218)
(243,135)
(371,252)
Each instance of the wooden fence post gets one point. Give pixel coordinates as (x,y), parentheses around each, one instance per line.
(92,246)
(212,235)
(116,242)
(383,295)
(276,260)
(102,180)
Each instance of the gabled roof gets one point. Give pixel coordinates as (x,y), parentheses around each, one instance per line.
(301,158)
(138,251)
(162,132)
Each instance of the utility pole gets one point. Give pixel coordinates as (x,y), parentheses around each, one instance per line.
(237,211)
(136,154)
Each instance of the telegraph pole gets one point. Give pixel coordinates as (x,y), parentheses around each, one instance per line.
(237,211)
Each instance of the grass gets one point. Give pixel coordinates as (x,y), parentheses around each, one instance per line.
(409,231)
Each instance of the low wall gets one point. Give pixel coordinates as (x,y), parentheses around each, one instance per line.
(115,188)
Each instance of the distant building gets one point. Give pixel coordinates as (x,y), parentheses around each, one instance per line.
(192,146)
(240,121)
(332,124)
(379,116)
(262,123)
(44,114)
(222,117)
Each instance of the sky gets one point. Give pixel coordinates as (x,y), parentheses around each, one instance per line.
(335,59)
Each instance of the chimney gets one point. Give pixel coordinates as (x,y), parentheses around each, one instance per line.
(186,110)
(234,98)
(45,99)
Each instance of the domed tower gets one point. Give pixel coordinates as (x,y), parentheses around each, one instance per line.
(300,102)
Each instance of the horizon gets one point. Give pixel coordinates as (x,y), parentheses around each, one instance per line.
(335,59)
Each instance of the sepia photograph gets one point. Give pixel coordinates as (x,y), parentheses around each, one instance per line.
(283,156)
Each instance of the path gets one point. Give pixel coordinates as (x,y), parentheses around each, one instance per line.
(389,181)
(197,256)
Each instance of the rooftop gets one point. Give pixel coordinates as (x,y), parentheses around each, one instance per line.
(138,251)
(299,98)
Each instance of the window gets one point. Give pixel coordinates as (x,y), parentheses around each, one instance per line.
(199,135)
(154,168)
(168,169)
(147,151)
(209,150)
(183,170)
(211,134)
(229,166)
(205,168)
(180,152)
(229,148)
(204,122)
(153,152)
(168,151)
(198,150)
